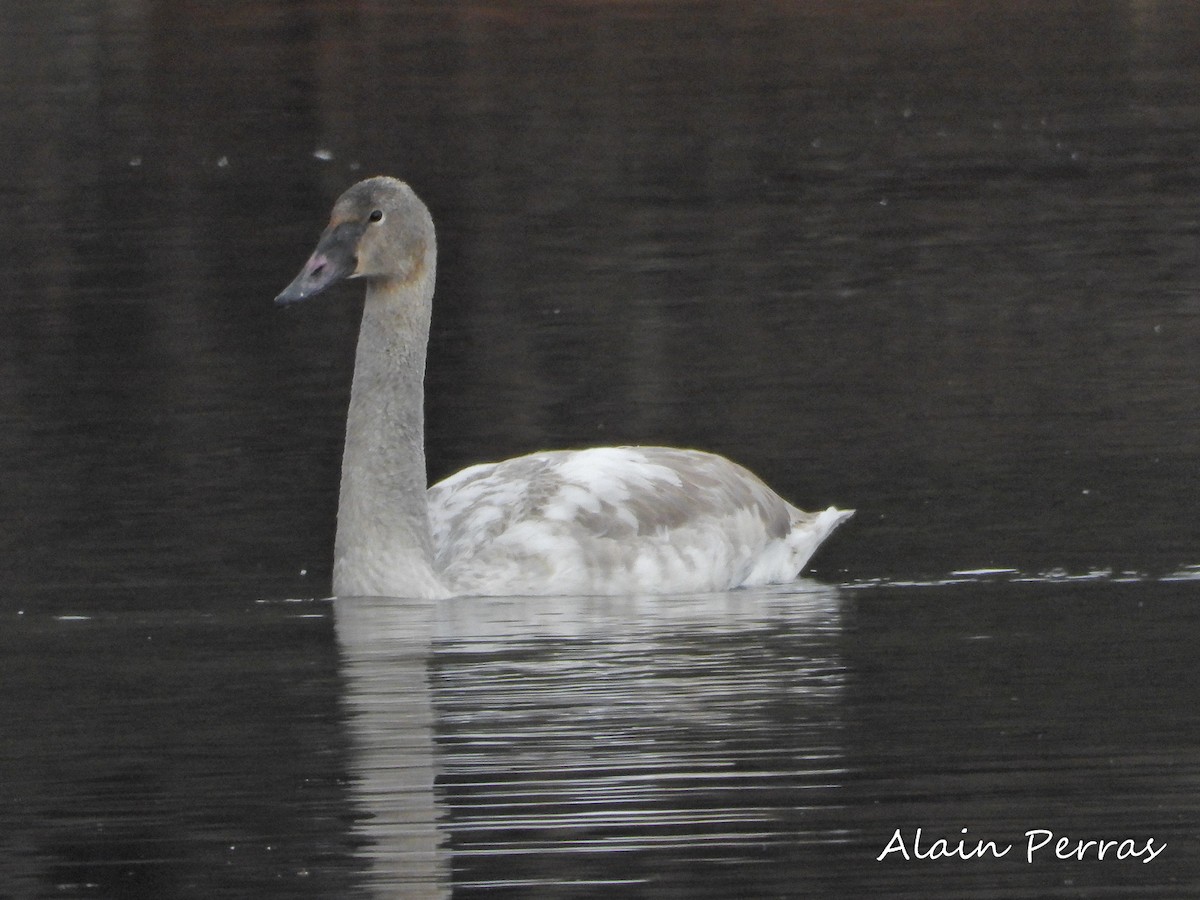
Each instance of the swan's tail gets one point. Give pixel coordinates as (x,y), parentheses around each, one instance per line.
(809,531)
(786,557)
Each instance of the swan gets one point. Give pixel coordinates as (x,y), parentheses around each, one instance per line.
(608,520)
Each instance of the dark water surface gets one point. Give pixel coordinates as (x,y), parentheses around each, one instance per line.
(936,261)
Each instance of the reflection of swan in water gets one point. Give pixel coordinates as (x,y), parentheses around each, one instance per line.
(611,520)
(385,666)
(602,738)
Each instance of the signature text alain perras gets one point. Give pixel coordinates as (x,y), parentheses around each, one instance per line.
(1038,843)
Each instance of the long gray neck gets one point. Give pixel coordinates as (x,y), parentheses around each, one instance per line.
(383,545)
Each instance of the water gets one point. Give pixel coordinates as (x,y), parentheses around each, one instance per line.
(936,261)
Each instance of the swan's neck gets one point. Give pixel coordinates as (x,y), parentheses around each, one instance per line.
(383,545)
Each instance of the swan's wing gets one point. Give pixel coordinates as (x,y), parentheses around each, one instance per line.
(614,492)
(611,520)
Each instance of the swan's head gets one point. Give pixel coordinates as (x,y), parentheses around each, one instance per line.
(378,229)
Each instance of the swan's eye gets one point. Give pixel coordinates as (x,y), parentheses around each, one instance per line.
(376,215)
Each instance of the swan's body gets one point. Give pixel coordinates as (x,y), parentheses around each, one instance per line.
(602,521)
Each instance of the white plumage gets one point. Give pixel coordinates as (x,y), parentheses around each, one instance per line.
(610,520)
(617,520)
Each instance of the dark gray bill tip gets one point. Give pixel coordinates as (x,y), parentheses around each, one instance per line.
(318,273)
(293,293)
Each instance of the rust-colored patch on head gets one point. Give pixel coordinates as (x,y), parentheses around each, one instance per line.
(416,271)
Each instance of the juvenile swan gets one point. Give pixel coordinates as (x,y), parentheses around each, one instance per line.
(612,520)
